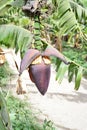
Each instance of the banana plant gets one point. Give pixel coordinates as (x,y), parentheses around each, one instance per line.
(62,21)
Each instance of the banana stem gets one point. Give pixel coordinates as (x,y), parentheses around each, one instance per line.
(37,34)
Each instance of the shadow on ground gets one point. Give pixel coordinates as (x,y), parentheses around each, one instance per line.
(77,97)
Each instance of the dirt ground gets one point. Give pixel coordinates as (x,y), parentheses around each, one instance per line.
(61,104)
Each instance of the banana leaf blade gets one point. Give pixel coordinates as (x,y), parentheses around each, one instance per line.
(61,72)
(78,78)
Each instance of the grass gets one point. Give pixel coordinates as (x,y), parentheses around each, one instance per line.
(23,118)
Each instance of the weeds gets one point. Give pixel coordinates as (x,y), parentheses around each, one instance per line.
(23,118)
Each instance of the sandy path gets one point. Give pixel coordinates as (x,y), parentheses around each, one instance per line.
(63,105)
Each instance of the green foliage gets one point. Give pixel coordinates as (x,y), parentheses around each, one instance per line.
(78,64)
(37,34)
(4,6)
(5,123)
(80,12)
(5,73)
(23,118)
(15,37)
(18,3)
(63,18)
(61,71)
(84,3)
(75,72)
(78,76)
(48,125)
(76,55)
(71,71)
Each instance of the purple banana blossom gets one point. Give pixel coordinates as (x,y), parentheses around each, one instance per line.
(39,66)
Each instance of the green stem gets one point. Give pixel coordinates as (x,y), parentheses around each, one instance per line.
(37,34)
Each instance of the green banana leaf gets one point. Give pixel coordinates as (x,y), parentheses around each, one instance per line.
(78,78)
(2,126)
(79,10)
(4,9)
(71,71)
(63,17)
(4,3)
(61,72)
(18,3)
(15,37)
(4,6)
(5,123)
